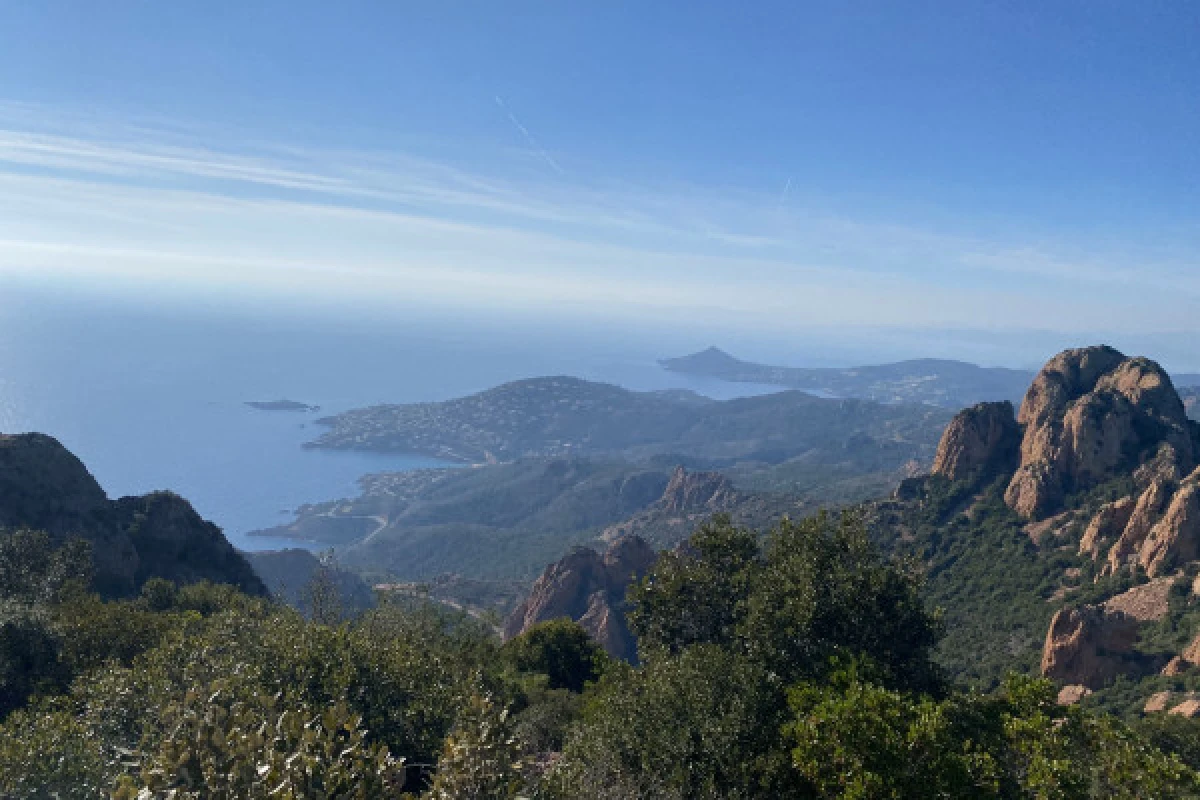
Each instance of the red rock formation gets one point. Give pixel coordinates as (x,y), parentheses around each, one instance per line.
(1088,414)
(1106,527)
(1146,512)
(1145,603)
(590,589)
(1157,702)
(705,492)
(1071,694)
(1089,646)
(1175,539)
(1188,708)
(979,440)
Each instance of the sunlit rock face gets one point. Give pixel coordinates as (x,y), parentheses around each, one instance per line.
(1090,414)
(979,440)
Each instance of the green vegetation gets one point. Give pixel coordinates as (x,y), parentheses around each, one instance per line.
(798,665)
(992,583)
(560,650)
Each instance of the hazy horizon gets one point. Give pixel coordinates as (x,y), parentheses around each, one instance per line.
(1000,170)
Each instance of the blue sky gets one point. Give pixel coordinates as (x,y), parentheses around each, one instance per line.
(985,165)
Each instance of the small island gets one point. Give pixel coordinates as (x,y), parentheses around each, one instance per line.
(281,405)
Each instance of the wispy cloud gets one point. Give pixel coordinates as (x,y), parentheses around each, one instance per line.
(152,205)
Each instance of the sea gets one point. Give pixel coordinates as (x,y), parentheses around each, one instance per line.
(155,397)
(151,393)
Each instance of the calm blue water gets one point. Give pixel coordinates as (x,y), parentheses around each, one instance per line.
(154,399)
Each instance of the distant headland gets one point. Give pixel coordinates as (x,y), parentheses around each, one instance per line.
(281,405)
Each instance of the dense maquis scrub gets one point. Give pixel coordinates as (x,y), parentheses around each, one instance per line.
(798,665)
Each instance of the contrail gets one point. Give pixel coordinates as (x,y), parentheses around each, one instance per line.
(537,148)
(787,187)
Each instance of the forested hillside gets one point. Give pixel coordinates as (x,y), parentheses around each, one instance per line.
(795,667)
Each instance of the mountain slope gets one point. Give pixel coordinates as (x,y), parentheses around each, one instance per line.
(44,487)
(1065,539)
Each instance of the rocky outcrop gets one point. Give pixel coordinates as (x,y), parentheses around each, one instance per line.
(1145,603)
(1071,694)
(590,589)
(980,440)
(1157,703)
(1176,666)
(174,542)
(44,487)
(1190,656)
(1090,414)
(1150,505)
(1175,539)
(1089,646)
(1189,708)
(692,492)
(1106,527)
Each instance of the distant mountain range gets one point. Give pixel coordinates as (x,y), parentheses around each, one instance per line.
(939,382)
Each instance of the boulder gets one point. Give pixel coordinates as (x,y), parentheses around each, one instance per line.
(1090,414)
(1071,694)
(1089,646)
(980,440)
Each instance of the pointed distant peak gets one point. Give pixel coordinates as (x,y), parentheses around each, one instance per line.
(708,359)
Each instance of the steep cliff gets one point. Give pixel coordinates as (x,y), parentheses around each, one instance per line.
(980,440)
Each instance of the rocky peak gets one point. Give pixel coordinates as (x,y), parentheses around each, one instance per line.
(627,559)
(589,588)
(1089,414)
(45,487)
(174,542)
(981,439)
(697,492)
